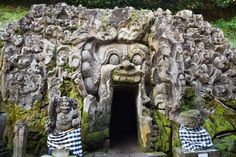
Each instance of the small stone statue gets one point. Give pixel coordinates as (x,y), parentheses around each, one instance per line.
(192,135)
(64,125)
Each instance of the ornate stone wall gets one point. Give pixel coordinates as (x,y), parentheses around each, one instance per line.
(176,62)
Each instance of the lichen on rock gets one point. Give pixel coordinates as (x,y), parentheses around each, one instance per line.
(173,62)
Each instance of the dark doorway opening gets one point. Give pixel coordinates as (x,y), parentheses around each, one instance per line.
(123,125)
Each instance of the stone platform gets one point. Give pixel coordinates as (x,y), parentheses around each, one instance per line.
(125,148)
(117,154)
(204,153)
(57,156)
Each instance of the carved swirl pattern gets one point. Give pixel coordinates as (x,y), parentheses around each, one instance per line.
(57,42)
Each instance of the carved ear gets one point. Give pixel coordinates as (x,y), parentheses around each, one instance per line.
(75,113)
(57,109)
(52,107)
(73,103)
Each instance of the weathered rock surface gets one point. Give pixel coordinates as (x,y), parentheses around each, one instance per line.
(20,140)
(62,50)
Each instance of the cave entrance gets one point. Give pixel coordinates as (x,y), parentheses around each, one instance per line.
(123,124)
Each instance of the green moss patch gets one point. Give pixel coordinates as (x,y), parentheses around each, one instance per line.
(164,131)
(94,140)
(70,89)
(35,118)
(227,145)
(224,119)
(189,99)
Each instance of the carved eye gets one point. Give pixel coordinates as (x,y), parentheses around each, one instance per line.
(114,59)
(137,59)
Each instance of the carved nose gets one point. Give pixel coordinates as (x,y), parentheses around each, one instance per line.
(127,65)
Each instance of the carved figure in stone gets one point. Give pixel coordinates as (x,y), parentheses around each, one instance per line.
(26,80)
(96,50)
(122,64)
(192,135)
(64,125)
(63,115)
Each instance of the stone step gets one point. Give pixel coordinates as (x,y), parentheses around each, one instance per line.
(156,154)
(57,156)
(178,152)
(138,154)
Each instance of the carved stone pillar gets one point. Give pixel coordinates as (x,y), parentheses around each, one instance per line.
(20,140)
(3,120)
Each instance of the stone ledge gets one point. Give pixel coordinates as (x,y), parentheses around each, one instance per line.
(55,156)
(156,154)
(203,153)
(134,154)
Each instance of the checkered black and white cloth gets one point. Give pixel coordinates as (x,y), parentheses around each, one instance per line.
(195,139)
(69,139)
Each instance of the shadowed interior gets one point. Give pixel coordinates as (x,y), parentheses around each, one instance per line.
(123,126)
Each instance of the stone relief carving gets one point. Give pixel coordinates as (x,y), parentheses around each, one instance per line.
(64,126)
(63,115)
(158,52)
(193,135)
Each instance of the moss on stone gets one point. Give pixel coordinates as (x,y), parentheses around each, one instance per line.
(223,119)
(227,145)
(84,127)
(189,99)
(231,103)
(94,140)
(175,135)
(35,118)
(53,62)
(134,15)
(164,131)
(70,89)
(222,122)
(68,68)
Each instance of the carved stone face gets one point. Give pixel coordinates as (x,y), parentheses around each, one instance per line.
(127,61)
(165,48)
(26,80)
(67,115)
(64,116)
(192,118)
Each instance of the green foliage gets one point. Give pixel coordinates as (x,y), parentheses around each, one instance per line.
(151,4)
(227,145)
(223,3)
(229,29)
(9,14)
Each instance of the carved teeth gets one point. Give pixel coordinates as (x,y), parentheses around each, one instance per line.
(116,77)
(137,79)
